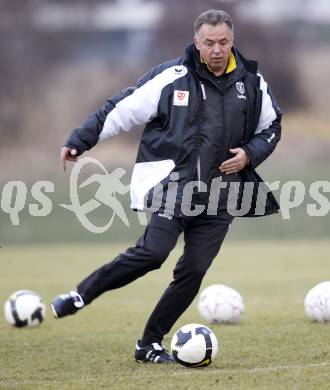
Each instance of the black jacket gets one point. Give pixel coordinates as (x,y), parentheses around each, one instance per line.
(173,100)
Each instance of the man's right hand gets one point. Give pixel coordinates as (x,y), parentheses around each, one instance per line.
(68,154)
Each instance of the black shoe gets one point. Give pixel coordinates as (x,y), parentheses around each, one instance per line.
(154,353)
(66,304)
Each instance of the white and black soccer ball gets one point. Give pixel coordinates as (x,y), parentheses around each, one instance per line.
(317,303)
(220,304)
(194,345)
(24,308)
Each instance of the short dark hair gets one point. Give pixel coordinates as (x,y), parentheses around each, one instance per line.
(213,17)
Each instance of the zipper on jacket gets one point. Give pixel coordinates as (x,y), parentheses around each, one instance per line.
(199,171)
(198,138)
(224,147)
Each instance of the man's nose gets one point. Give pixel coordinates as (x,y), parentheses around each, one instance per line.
(217,49)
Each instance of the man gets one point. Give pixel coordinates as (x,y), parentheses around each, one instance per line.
(209,115)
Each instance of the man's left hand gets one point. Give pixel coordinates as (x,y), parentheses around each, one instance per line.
(236,163)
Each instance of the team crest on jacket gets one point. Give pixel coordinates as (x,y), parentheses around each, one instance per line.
(240,89)
(181,98)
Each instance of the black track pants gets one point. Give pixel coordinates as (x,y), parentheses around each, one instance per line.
(203,236)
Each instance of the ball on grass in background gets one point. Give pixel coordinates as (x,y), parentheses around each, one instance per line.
(317,303)
(220,304)
(194,345)
(25,308)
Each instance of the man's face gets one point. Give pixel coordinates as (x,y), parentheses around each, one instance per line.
(214,44)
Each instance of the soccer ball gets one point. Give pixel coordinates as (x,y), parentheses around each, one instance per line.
(194,345)
(220,304)
(317,303)
(25,308)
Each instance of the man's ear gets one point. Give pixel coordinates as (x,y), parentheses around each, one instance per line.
(196,43)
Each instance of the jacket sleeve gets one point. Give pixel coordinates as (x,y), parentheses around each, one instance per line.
(268,131)
(133,106)
(86,135)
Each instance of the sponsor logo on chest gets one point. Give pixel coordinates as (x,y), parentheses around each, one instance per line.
(241,90)
(181,98)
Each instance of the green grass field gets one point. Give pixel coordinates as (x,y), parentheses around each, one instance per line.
(274,346)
